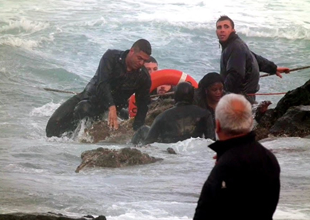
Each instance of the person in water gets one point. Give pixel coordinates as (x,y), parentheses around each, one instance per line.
(210,91)
(152,66)
(119,75)
(245,181)
(240,67)
(180,122)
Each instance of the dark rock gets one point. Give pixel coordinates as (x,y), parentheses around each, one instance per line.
(294,123)
(289,118)
(100,131)
(171,150)
(103,157)
(43,216)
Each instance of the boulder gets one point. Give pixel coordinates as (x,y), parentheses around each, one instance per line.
(100,131)
(289,118)
(45,216)
(111,158)
(294,123)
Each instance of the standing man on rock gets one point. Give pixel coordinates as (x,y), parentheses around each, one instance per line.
(119,75)
(240,67)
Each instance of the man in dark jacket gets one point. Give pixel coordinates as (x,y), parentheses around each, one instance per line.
(245,181)
(119,75)
(180,122)
(240,67)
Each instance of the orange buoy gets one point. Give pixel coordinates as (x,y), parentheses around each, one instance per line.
(162,77)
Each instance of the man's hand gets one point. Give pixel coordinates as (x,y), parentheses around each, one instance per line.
(112,119)
(282,70)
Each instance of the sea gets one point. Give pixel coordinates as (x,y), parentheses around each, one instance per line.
(58,44)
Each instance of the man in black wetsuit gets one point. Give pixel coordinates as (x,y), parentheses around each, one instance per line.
(119,75)
(240,67)
(180,122)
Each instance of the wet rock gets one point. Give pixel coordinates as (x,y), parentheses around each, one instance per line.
(171,150)
(103,157)
(289,118)
(45,216)
(100,131)
(294,123)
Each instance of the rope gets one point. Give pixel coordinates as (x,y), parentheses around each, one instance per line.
(276,93)
(291,70)
(62,91)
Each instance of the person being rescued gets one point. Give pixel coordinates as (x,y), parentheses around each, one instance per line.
(178,123)
(152,66)
(210,91)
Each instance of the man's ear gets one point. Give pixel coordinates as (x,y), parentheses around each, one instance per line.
(217,126)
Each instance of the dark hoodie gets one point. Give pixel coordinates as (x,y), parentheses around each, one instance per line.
(240,67)
(181,122)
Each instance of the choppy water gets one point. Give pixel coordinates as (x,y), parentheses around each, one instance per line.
(58,44)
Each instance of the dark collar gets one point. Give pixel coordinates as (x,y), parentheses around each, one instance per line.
(221,147)
(122,59)
(233,36)
(182,103)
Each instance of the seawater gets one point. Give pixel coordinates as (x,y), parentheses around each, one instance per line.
(58,44)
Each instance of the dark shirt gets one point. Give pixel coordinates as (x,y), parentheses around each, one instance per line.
(244,184)
(181,122)
(113,85)
(240,67)
(201,101)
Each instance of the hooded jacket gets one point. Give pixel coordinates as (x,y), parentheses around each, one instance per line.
(240,67)
(181,122)
(244,183)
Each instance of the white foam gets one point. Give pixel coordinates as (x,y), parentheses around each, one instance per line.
(24,25)
(45,110)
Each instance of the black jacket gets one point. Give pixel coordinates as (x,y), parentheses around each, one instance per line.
(113,85)
(240,67)
(181,122)
(244,183)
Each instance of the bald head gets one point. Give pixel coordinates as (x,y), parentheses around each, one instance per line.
(234,115)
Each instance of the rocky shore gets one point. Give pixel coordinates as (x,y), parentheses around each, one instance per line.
(45,216)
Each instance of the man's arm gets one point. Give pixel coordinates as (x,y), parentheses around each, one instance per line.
(209,130)
(265,65)
(154,132)
(142,100)
(268,66)
(103,92)
(104,70)
(235,68)
(211,197)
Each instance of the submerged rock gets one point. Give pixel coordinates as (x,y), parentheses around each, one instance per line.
(45,216)
(103,157)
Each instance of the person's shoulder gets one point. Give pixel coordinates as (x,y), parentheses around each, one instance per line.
(145,73)
(112,53)
(202,111)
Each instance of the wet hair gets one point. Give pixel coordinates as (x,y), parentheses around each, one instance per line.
(184,92)
(224,18)
(142,45)
(151,60)
(208,80)
(234,113)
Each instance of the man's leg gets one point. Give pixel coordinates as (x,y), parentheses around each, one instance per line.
(62,119)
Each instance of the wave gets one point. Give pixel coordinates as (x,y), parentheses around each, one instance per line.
(22,25)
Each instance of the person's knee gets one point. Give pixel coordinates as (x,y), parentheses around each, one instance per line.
(140,135)
(82,109)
